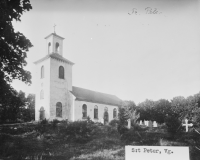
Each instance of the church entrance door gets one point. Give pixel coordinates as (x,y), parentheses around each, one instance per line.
(106,117)
(42,113)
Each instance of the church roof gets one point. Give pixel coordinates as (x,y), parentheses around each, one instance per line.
(54,35)
(82,94)
(55,56)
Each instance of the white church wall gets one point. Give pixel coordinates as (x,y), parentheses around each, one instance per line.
(59,90)
(73,108)
(42,84)
(90,110)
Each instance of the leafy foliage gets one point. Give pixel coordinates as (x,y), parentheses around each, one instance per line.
(123,117)
(78,131)
(146,108)
(114,122)
(173,125)
(13,48)
(19,108)
(161,110)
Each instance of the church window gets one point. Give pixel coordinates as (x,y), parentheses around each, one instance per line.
(41,94)
(114,113)
(106,116)
(61,72)
(58,109)
(105,109)
(84,111)
(42,113)
(96,112)
(57,47)
(49,45)
(42,72)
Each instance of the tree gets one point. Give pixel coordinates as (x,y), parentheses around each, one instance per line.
(161,110)
(13,48)
(123,116)
(130,105)
(13,45)
(146,108)
(30,108)
(11,108)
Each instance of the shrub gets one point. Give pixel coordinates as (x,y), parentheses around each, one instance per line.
(44,121)
(122,129)
(54,123)
(114,122)
(42,126)
(173,125)
(79,131)
(141,137)
(132,135)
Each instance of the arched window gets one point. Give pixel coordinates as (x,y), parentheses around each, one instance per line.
(106,116)
(42,72)
(95,112)
(61,72)
(105,109)
(114,113)
(57,47)
(84,111)
(42,113)
(58,109)
(41,94)
(49,45)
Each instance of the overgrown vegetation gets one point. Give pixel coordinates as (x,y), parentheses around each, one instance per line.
(85,140)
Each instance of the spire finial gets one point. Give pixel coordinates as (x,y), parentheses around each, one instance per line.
(54,28)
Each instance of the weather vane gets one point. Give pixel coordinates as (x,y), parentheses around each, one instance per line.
(54,28)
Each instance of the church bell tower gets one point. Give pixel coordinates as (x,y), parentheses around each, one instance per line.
(54,82)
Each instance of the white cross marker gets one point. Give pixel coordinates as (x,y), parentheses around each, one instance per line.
(187,125)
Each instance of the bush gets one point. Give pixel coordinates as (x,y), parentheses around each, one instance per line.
(43,126)
(114,123)
(137,127)
(44,121)
(79,131)
(173,125)
(141,137)
(122,129)
(54,123)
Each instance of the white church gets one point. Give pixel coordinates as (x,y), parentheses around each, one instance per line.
(56,98)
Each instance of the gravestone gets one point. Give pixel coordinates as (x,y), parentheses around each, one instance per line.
(146,123)
(129,123)
(155,124)
(150,124)
(156,153)
(102,120)
(187,125)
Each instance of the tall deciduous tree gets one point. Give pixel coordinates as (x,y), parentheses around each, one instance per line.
(13,45)
(161,110)
(13,48)
(146,108)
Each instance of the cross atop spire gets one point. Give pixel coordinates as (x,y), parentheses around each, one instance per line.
(54,28)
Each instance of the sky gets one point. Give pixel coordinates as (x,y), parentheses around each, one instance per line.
(118,47)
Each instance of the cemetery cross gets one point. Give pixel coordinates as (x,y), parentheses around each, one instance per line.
(187,125)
